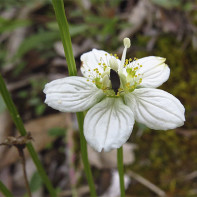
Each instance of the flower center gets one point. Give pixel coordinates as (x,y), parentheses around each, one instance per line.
(116,77)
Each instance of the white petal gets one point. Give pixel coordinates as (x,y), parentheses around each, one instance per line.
(72,94)
(91,60)
(156,109)
(154,71)
(108,124)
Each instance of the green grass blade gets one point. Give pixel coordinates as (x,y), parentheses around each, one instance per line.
(5,191)
(20,126)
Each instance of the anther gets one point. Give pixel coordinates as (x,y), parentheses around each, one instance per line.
(127,42)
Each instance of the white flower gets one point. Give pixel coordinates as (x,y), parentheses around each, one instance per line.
(117,92)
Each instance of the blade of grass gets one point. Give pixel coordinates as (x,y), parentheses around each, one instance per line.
(4,190)
(20,126)
(66,41)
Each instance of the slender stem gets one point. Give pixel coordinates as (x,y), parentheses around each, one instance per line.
(4,190)
(66,41)
(58,6)
(23,161)
(121,170)
(20,126)
(84,154)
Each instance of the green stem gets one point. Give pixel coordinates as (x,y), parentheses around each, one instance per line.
(84,154)
(66,41)
(4,190)
(58,6)
(121,170)
(20,126)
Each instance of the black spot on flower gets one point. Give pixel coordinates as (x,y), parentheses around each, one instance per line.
(115,80)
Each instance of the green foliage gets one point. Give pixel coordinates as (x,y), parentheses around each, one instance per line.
(20,126)
(74,30)
(65,35)
(182,82)
(35,182)
(37,41)
(183,78)
(34,100)
(57,132)
(4,190)
(7,4)
(165,158)
(167,3)
(104,25)
(8,25)
(162,157)
(66,41)
(19,68)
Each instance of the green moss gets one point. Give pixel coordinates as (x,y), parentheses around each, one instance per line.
(182,61)
(165,157)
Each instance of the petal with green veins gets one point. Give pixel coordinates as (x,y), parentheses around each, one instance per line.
(155,108)
(72,94)
(108,124)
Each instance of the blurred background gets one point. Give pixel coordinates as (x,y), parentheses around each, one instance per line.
(157,163)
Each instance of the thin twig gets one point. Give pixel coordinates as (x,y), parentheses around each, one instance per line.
(191,176)
(147,183)
(23,161)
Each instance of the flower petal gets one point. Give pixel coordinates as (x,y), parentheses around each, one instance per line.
(72,94)
(154,72)
(156,109)
(108,124)
(91,60)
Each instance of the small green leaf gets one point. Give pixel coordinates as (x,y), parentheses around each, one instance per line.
(23,94)
(167,3)
(7,25)
(34,101)
(36,41)
(35,182)
(56,132)
(40,109)
(77,29)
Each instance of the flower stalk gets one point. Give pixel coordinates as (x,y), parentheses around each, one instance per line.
(66,41)
(83,145)
(121,170)
(65,35)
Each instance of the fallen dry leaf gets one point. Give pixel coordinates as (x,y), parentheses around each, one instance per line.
(139,14)
(39,130)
